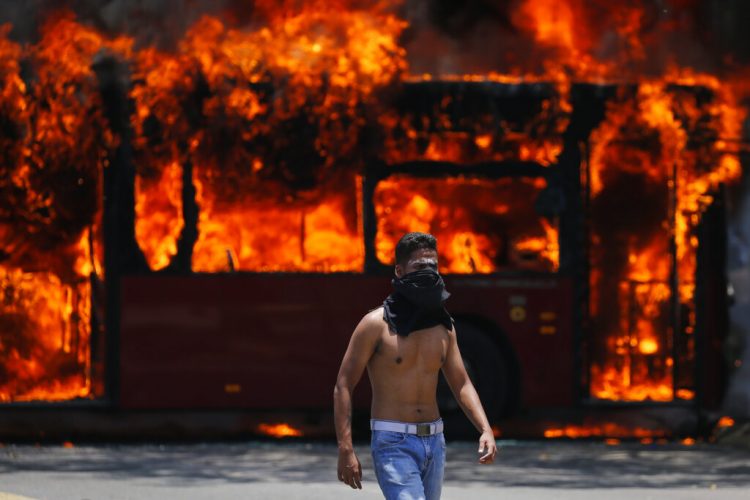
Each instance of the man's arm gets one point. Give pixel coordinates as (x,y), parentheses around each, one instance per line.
(361,347)
(468,399)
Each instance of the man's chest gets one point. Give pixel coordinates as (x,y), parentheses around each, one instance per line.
(423,348)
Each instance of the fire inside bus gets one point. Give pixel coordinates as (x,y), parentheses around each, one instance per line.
(262,317)
(217,243)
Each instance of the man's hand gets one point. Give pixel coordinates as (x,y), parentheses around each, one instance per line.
(488,447)
(350,470)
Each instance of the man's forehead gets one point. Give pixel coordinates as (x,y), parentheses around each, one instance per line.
(423,255)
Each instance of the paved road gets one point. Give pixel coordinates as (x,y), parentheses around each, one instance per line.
(295,470)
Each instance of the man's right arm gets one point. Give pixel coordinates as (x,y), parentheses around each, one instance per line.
(361,347)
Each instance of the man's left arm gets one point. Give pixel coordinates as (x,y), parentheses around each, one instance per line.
(468,399)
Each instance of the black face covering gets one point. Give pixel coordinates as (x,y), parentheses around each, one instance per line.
(417,303)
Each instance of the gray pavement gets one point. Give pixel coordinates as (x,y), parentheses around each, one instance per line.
(295,470)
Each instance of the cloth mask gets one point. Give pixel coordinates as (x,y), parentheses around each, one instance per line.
(417,302)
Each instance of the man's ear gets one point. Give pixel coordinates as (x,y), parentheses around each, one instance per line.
(399,271)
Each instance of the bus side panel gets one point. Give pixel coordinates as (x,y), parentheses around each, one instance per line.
(239,340)
(536,316)
(275,341)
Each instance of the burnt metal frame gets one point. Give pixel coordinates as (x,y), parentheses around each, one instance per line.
(712,229)
(674,279)
(121,252)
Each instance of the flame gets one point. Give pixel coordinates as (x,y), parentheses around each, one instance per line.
(51,245)
(547,247)
(404,204)
(440,136)
(551,22)
(326,64)
(725,421)
(258,133)
(291,238)
(607,430)
(161,81)
(49,357)
(483,141)
(279,430)
(636,363)
(158,209)
(648,346)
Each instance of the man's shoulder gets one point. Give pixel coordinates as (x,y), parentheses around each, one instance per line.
(373,319)
(370,327)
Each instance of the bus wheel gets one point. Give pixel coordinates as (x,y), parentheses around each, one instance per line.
(487,370)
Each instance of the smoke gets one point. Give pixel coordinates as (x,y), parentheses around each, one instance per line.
(160,23)
(641,37)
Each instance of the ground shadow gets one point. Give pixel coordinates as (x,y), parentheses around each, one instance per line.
(577,465)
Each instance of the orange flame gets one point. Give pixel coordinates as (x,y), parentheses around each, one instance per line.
(262,205)
(279,430)
(55,174)
(551,22)
(725,421)
(329,63)
(607,430)
(457,211)
(637,364)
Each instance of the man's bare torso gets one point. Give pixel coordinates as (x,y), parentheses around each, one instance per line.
(404,373)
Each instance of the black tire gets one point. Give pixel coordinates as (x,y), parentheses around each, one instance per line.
(488,371)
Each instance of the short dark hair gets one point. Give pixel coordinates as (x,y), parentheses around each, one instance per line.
(411,242)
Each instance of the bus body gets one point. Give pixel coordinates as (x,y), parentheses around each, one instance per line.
(187,338)
(275,341)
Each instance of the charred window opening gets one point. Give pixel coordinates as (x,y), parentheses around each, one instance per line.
(482,225)
(653,164)
(472,120)
(321,235)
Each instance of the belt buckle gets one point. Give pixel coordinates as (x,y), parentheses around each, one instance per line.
(423,430)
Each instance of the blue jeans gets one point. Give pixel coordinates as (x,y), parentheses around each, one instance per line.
(409,467)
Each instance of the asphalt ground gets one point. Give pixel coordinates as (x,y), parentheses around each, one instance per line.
(526,470)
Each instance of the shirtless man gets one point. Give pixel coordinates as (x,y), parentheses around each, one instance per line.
(404,345)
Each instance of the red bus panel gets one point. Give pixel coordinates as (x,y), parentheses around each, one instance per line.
(275,341)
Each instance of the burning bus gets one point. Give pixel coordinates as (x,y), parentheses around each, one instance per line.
(202,228)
